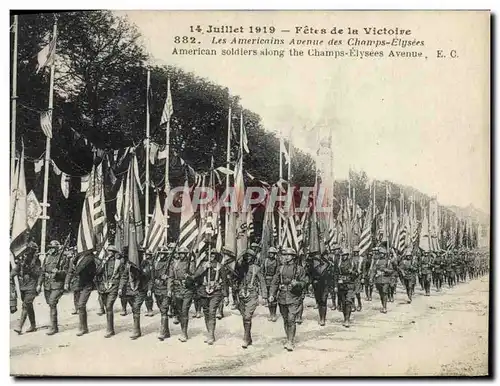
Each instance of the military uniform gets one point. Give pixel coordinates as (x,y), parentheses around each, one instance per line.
(381,273)
(438,267)
(393,282)
(450,271)
(365,272)
(287,287)
(249,281)
(425,272)
(13,294)
(346,273)
(183,288)
(408,271)
(134,283)
(73,284)
(108,275)
(269,269)
(148,302)
(358,264)
(319,273)
(85,269)
(28,270)
(54,270)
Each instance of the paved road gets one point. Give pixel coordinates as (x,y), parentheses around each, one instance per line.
(445,334)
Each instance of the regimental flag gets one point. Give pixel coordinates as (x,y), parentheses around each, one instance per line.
(424,242)
(290,233)
(188,226)
(154,237)
(93,229)
(366,235)
(133,214)
(229,249)
(19,210)
(404,233)
(268,238)
(168,109)
(47,55)
(46,123)
(333,233)
(243,132)
(34,209)
(394,228)
(120,217)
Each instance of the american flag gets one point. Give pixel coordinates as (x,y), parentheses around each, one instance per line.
(154,237)
(365,241)
(168,109)
(93,229)
(188,226)
(46,56)
(46,123)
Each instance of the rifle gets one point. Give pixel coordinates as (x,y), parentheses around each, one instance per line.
(63,249)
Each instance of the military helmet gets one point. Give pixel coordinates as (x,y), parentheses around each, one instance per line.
(250,252)
(289,251)
(112,248)
(345,252)
(54,244)
(272,250)
(356,249)
(408,252)
(255,246)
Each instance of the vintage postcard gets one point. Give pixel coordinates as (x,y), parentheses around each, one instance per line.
(250,193)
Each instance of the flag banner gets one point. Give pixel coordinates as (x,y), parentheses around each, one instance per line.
(244,138)
(155,233)
(34,209)
(65,180)
(46,123)
(394,228)
(19,210)
(46,56)
(168,109)
(424,242)
(188,226)
(365,241)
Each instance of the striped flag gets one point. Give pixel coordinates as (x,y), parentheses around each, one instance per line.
(154,237)
(47,55)
(19,210)
(46,123)
(93,229)
(403,233)
(365,241)
(168,109)
(394,228)
(424,242)
(188,226)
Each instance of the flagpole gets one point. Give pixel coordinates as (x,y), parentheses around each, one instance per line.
(228,166)
(280,222)
(146,204)
(14,102)
(45,204)
(167,160)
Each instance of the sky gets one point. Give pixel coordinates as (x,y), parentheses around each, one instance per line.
(418,122)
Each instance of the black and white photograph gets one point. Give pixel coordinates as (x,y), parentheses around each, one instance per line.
(250,193)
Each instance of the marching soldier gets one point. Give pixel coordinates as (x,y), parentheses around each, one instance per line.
(123,296)
(249,279)
(408,271)
(346,273)
(270,267)
(183,288)
(108,277)
(368,283)
(450,273)
(28,271)
(319,272)
(13,293)
(357,261)
(212,279)
(425,272)
(287,287)
(102,306)
(73,284)
(160,285)
(438,265)
(393,282)
(308,281)
(147,257)
(54,270)
(381,272)
(334,258)
(134,284)
(84,270)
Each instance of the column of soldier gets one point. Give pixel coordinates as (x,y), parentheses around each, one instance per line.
(279,279)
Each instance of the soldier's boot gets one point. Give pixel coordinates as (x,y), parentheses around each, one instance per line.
(101,311)
(82,313)
(211,332)
(110,326)
(220,311)
(360,305)
(171,311)
(427,289)
(197,308)
(322,315)
(371,292)
(149,307)
(367,292)
(334,301)
(123,302)
(291,337)
(347,317)
(31,317)
(22,319)
(247,339)
(176,319)
(301,311)
(164,328)
(75,303)
(270,317)
(54,329)
(274,315)
(184,326)
(137,327)
(384,304)
(287,332)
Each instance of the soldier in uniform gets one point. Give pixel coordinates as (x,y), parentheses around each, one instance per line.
(450,273)
(123,296)
(319,271)
(347,274)
(438,267)
(357,261)
(85,270)
(13,293)
(408,271)
(28,271)
(248,281)
(270,267)
(108,275)
(147,256)
(73,285)
(212,279)
(393,282)
(183,287)
(287,287)
(54,269)
(134,283)
(381,272)
(334,260)
(308,281)
(161,286)
(365,278)
(425,271)
(102,306)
